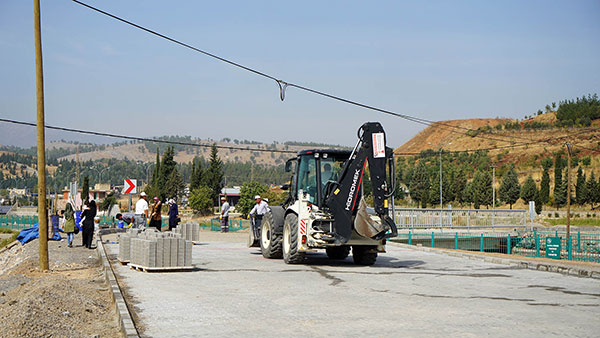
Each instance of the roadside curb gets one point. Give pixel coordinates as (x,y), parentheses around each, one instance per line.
(9,246)
(126,322)
(566,269)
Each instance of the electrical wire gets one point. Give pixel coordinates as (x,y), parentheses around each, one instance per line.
(283,85)
(145,139)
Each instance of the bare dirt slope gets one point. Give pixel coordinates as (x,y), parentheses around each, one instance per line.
(524,148)
(70,300)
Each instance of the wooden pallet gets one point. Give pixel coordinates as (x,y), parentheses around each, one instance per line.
(161,269)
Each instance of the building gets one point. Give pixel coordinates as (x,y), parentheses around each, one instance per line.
(232,195)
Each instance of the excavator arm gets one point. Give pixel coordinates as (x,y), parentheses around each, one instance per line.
(345,197)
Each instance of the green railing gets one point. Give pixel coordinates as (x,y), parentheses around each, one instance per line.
(17,222)
(580,247)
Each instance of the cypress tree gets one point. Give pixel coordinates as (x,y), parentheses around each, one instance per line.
(545,187)
(510,188)
(560,194)
(213,177)
(581,192)
(419,185)
(593,189)
(85,188)
(528,190)
(558,183)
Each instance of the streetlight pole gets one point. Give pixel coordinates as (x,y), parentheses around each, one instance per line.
(493,193)
(441,203)
(568,190)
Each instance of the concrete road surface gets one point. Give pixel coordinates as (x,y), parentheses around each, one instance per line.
(237,293)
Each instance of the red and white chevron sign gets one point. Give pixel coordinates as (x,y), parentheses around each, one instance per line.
(130,186)
(302,227)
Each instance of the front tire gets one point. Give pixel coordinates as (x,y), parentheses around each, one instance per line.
(364,254)
(338,252)
(270,242)
(291,255)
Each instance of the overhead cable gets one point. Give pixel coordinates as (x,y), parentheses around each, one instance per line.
(283,85)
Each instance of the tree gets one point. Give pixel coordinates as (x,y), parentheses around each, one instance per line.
(167,166)
(581,192)
(213,177)
(247,193)
(545,187)
(558,183)
(419,185)
(528,190)
(108,201)
(510,189)
(593,189)
(560,193)
(201,200)
(482,189)
(458,185)
(196,175)
(85,188)
(174,186)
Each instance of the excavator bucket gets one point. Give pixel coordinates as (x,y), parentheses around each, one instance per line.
(367,226)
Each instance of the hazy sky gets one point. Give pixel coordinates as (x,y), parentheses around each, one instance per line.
(437,60)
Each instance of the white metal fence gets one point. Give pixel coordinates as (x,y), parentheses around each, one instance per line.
(459,218)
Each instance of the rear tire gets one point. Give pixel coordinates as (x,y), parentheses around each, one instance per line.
(270,242)
(291,255)
(338,252)
(364,254)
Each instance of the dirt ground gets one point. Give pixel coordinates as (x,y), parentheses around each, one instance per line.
(72,299)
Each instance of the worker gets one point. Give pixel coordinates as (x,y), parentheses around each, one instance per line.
(127,219)
(260,209)
(141,211)
(224,216)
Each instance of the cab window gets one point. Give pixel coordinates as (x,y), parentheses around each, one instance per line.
(307,177)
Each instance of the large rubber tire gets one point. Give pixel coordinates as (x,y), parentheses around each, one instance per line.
(338,252)
(364,254)
(270,242)
(291,255)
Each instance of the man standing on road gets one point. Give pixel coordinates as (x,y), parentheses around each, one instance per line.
(141,211)
(260,209)
(224,215)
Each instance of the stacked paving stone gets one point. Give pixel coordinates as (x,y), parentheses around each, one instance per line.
(153,249)
(189,231)
(125,244)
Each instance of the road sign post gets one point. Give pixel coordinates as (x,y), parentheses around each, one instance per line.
(129,187)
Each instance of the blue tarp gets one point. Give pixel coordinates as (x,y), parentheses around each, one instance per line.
(32,233)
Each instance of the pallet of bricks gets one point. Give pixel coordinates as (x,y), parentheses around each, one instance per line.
(150,250)
(190,231)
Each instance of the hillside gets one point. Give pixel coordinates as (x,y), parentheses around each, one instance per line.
(453,136)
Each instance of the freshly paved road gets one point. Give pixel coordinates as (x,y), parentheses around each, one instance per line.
(237,293)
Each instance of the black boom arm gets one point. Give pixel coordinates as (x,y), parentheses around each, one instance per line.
(345,196)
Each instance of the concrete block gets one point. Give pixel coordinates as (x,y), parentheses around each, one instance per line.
(174,249)
(180,252)
(166,252)
(160,244)
(187,261)
(151,254)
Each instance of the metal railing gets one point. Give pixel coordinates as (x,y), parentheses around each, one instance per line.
(17,222)
(579,247)
(460,218)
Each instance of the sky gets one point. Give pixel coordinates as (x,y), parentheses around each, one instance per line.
(437,60)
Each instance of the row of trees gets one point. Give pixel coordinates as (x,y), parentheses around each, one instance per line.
(467,179)
(206,183)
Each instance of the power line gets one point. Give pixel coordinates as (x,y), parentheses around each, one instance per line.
(89,132)
(283,85)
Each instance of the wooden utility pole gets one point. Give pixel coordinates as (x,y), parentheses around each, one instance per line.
(41,144)
(568,190)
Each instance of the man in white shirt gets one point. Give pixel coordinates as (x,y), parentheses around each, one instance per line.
(260,209)
(141,211)
(224,215)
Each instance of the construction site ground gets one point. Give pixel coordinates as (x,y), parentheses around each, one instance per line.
(235,292)
(72,299)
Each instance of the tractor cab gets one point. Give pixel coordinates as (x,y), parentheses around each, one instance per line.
(316,173)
